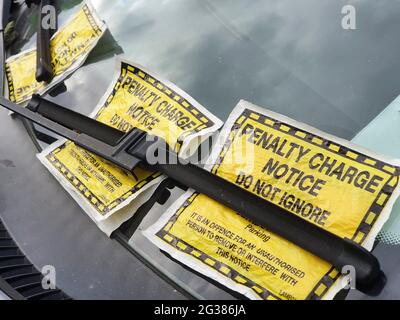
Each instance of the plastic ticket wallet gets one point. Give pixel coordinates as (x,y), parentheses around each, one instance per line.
(327,181)
(69,48)
(135,98)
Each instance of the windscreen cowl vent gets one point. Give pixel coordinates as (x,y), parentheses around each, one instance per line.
(19,279)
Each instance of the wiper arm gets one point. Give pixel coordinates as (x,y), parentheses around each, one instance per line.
(130,150)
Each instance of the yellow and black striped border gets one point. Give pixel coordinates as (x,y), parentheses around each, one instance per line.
(326,282)
(80,186)
(10,82)
(322,287)
(85,191)
(11,93)
(126,68)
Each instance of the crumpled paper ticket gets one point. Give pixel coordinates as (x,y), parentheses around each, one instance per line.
(328,181)
(136,98)
(69,48)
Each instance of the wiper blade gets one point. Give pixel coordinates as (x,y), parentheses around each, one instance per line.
(130,150)
(46,27)
(5,7)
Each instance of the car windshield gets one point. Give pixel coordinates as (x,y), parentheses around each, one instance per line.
(292,57)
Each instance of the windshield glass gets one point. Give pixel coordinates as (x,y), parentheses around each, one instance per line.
(292,57)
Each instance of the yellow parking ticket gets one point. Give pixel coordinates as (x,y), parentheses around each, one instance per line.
(69,47)
(327,181)
(136,98)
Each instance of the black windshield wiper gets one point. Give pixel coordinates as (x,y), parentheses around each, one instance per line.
(131,149)
(46,28)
